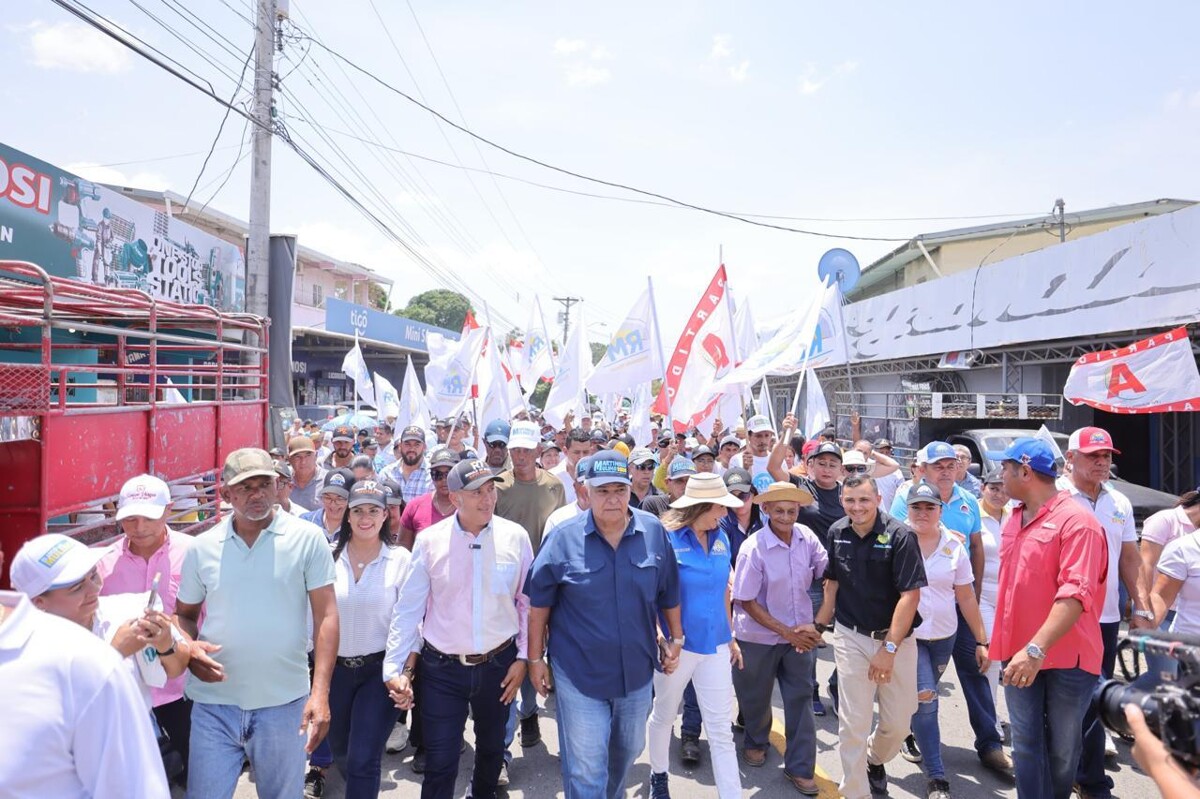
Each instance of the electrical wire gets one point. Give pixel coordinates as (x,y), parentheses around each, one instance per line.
(588,178)
(221,128)
(229,173)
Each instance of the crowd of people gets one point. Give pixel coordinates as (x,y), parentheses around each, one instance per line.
(365,592)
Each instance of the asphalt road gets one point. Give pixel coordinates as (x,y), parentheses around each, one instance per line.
(535,772)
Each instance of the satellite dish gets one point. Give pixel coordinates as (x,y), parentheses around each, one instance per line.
(840,266)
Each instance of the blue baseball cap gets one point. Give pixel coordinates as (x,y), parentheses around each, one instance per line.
(1032,452)
(924,492)
(938,451)
(583,469)
(607,467)
(680,467)
(497,430)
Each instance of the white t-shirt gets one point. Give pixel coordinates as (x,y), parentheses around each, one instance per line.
(947,567)
(1181,560)
(1115,514)
(566,478)
(887,486)
(759,464)
(563,514)
(1165,526)
(74,725)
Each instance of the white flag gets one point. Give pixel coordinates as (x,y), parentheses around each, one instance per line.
(816,410)
(536,360)
(493,380)
(640,426)
(764,405)
(389,398)
(413,408)
(356,368)
(1154,375)
(451,393)
(632,357)
(786,352)
(568,394)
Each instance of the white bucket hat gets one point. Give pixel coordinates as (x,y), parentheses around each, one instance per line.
(705,488)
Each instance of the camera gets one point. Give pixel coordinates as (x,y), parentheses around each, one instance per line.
(1172,708)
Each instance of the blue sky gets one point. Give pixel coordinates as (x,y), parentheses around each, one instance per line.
(863,112)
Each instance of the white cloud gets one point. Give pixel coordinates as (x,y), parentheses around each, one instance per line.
(115,177)
(846,67)
(583,75)
(75,47)
(569,46)
(1181,99)
(811,82)
(720,47)
(601,53)
(738,73)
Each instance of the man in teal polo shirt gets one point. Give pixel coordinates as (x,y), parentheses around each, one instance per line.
(256,574)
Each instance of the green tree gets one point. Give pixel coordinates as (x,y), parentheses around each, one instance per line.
(538,397)
(438,307)
(598,352)
(379,298)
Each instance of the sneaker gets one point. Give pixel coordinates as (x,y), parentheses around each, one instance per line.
(314,784)
(689,749)
(418,761)
(397,742)
(818,706)
(531,731)
(910,751)
(938,789)
(998,761)
(658,786)
(877,779)
(502,780)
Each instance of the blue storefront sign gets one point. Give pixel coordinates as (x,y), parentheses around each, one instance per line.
(350,319)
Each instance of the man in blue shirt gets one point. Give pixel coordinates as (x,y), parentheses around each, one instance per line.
(599,583)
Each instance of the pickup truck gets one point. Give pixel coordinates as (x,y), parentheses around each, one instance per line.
(986,441)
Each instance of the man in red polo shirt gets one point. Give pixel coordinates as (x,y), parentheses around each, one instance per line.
(1053,579)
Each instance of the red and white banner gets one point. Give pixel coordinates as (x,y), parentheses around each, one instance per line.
(1155,375)
(703,354)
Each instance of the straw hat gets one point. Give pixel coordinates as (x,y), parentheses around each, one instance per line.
(706,487)
(784,491)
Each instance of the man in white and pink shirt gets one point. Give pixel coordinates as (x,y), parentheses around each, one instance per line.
(148,547)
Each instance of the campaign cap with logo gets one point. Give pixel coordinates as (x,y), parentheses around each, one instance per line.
(144,495)
(608,467)
(51,561)
(1091,439)
(924,492)
(470,475)
(1031,452)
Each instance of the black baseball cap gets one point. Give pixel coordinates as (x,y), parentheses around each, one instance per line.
(343,433)
(738,479)
(442,457)
(395,492)
(368,492)
(470,475)
(412,433)
(338,482)
(827,448)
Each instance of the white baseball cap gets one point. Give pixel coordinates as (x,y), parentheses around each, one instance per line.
(524,435)
(144,495)
(759,424)
(51,561)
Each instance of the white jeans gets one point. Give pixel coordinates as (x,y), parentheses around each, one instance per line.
(712,678)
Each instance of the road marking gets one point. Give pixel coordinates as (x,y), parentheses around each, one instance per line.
(829,788)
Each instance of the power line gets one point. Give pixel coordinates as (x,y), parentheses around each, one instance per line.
(590,179)
(220,128)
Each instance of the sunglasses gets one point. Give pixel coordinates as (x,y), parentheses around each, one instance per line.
(742,495)
(856,469)
(497,444)
(645,467)
(439,474)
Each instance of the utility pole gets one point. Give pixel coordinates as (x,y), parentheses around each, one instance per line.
(1060,210)
(259,241)
(567,302)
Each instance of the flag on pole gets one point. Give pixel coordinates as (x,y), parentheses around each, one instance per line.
(568,394)
(356,368)
(1154,375)
(413,408)
(632,356)
(764,405)
(389,398)
(451,392)
(536,361)
(501,397)
(703,354)
(816,410)
(640,426)
(786,352)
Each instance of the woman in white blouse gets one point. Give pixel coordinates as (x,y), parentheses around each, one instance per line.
(369,572)
(1158,532)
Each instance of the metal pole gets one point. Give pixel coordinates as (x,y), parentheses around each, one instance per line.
(733,339)
(258,243)
(842,325)
(1060,208)
(659,337)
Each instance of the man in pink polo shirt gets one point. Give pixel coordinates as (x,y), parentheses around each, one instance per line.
(148,547)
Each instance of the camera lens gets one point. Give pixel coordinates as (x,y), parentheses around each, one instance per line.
(1111,702)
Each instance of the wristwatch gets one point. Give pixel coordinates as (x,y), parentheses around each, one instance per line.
(1034,651)
(166,654)
(679,640)
(821,628)
(890,647)
(1148,615)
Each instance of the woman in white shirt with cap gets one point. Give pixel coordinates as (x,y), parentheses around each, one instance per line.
(369,570)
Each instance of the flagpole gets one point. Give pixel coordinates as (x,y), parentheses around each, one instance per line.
(549,343)
(356,380)
(842,324)
(733,344)
(661,356)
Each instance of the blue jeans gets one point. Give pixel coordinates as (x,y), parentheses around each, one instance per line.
(362,718)
(224,735)
(1090,775)
(1158,666)
(448,690)
(977,691)
(691,712)
(1046,719)
(524,707)
(598,739)
(932,658)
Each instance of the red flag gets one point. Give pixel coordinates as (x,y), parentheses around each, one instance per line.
(1154,375)
(697,342)
(469,322)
